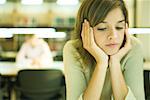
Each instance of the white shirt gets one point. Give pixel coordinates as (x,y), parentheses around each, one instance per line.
(41,52)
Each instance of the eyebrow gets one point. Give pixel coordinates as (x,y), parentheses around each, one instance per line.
(121,21)
(117,22)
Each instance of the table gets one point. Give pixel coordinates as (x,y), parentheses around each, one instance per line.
(147,65)
(11,68)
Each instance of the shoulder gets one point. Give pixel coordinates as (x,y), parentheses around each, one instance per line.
(71,55)
(135,55)
(136,51)
(71,51)
(25,45)
(43,42)
(70,46)
(136,45)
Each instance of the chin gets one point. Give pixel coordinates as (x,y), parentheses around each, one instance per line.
(111,52)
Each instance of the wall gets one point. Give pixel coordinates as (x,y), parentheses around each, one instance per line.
(143,20)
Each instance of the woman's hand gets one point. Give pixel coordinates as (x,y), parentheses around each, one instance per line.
(125,49)
(90,45)
(119,86)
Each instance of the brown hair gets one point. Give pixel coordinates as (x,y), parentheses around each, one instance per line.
(95,11)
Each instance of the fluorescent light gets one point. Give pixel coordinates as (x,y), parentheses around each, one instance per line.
(2,1)
(4,33)
(52,35)
(40,32)
(31,2)
(31,30)
(139,30)
(67,2)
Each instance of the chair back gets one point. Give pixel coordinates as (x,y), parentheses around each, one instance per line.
(147,84)
(1,85)
(41,84)
(2,82)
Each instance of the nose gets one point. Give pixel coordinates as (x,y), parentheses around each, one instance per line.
(113,34)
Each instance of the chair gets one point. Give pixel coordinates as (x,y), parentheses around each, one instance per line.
(1,82)
(5,88)
(147,84)
(0,87)
(40,85)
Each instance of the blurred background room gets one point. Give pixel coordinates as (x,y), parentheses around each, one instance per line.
(53,21)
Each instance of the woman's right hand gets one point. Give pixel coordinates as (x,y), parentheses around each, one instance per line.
(90,45)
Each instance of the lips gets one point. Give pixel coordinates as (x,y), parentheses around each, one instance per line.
(112,44)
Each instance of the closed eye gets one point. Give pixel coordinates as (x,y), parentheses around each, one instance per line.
(101,29)
(119,28)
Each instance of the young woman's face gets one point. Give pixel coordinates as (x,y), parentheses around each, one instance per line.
(109,34)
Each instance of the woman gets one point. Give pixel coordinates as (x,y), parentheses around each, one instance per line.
(102,62)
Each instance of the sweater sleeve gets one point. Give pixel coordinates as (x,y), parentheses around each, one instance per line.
(133,74)
(74,75)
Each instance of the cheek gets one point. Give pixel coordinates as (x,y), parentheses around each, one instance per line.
(99,38)
(122,38)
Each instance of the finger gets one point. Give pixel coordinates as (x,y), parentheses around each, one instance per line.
(127,32)
(88,33)
(128,39)
(91,36)
(82,30)
(127,45)
(83,34)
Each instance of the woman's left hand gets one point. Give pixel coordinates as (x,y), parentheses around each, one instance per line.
(125,49)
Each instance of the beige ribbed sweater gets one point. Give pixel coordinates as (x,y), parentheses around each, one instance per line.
(77,78)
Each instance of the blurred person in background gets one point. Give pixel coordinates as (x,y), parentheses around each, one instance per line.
(102,61)
(34,53)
